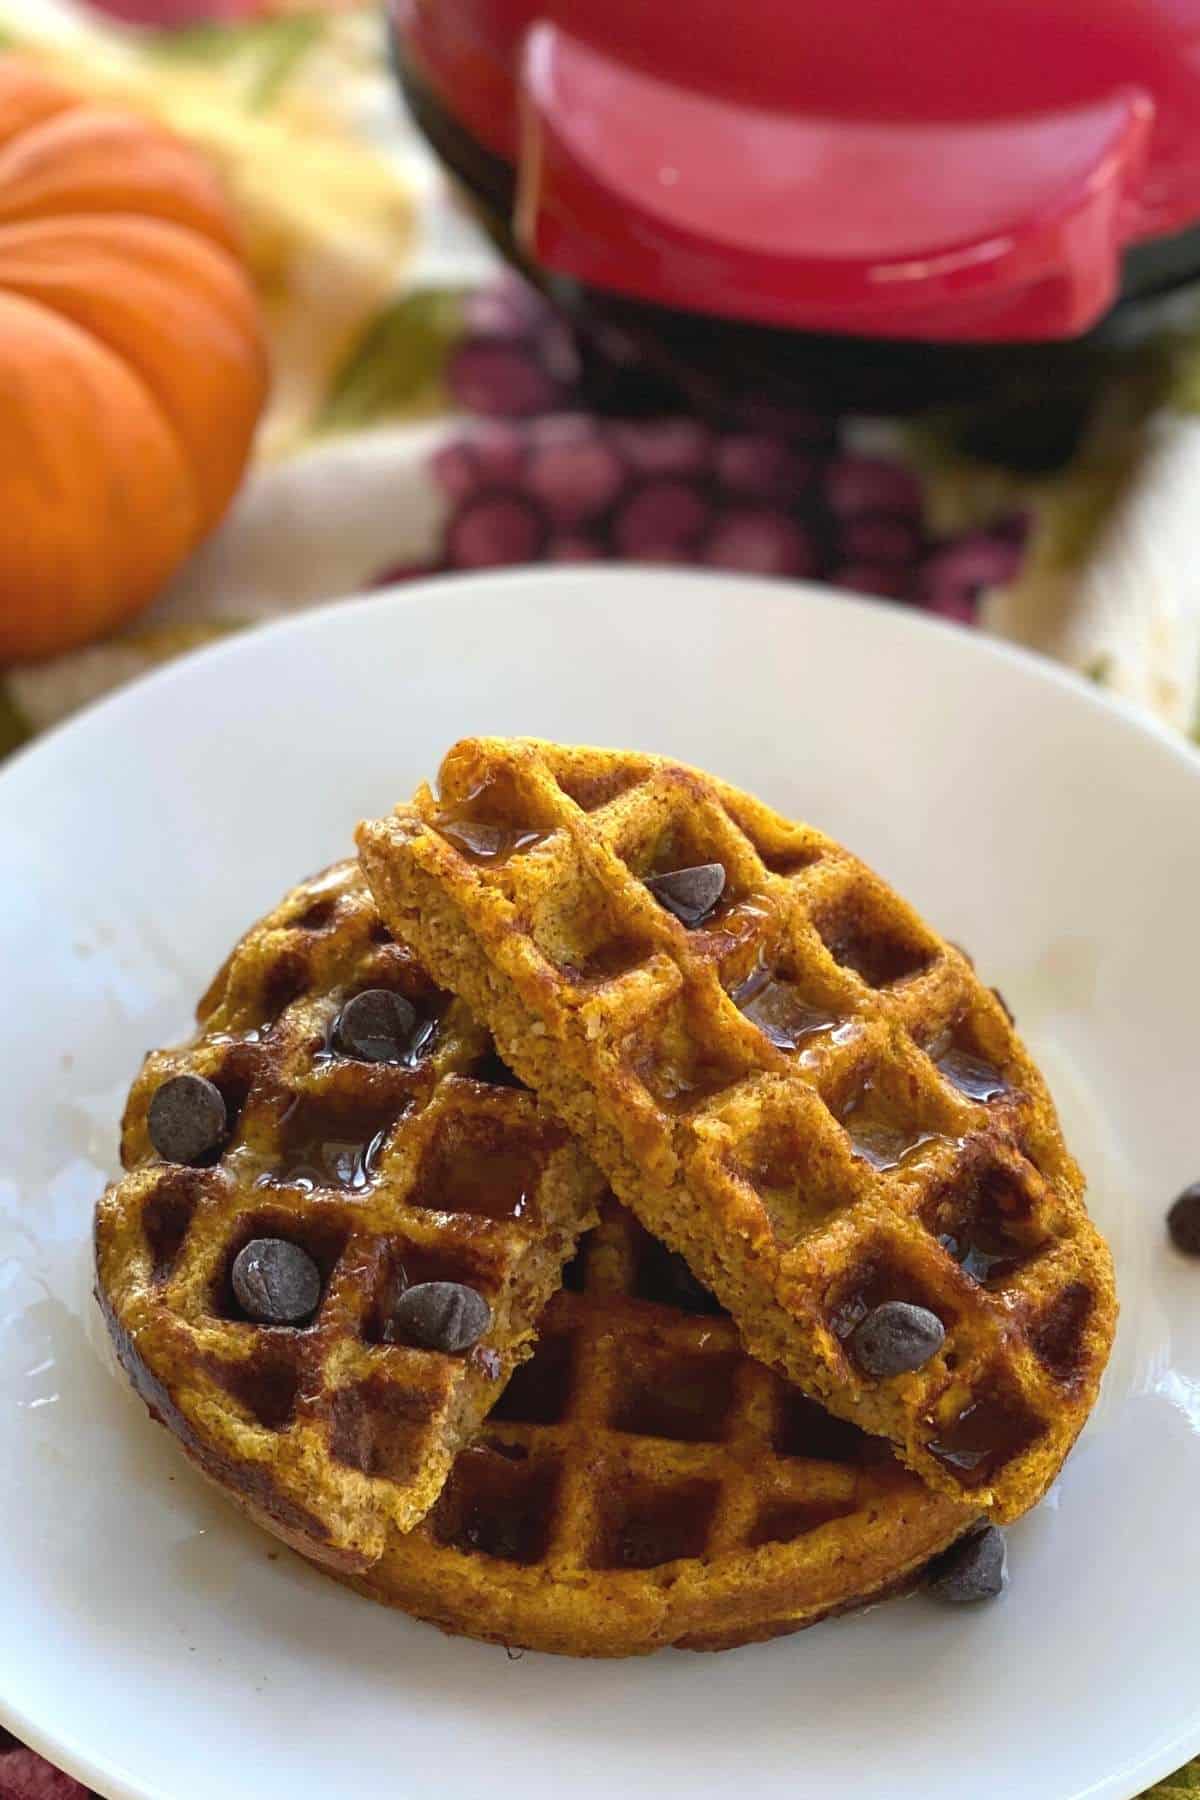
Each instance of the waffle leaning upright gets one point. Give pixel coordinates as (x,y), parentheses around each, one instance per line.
(788,1077)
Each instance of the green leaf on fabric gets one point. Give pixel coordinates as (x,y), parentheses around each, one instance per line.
(265,52)
(290,42)
(15,729)
(397,366)
(206,43)
(1184,393)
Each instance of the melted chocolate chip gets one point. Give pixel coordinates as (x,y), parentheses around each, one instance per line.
(976,1568)
(376,1026)
(187,1120)
(690,894)
(443,1315)
(896,1338)
(1183,1221)
(276,1283)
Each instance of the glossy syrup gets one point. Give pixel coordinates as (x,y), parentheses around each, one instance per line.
(877,1135)
(327,1143)
(984,1256)
(733,923)
(991,1429)
(971,1075)
(486,825)
(485,841)
(986,1224)
(779,1010)
(489,1181)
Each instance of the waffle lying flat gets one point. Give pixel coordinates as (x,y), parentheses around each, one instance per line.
(643,1482)
(340,1221)
(788,1077)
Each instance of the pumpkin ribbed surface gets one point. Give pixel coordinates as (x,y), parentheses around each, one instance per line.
(132,363)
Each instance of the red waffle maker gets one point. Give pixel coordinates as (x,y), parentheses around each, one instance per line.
(875,202)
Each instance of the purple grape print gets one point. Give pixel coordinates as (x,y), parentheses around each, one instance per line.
(764,468)
(577,476)
(501,379)
(660,522)
(878,579)
(24,1776)
(955,576)
(665,447)
(517,359)
(534,477)
(493,530)
(508,310)
(759,541)
(855,485)
(455,468)
(575,548)
(499,453)
(876,538)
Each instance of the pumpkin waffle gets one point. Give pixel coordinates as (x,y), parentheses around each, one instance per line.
(809,1095)
(642,1482)
(386,1174)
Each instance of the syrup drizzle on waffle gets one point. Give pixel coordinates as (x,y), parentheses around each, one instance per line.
(385,1174)
(905,1145)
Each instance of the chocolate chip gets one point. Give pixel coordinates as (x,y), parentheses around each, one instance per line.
(690,894)
(443,1315)
(895,1338)
(976,1568)
(376,1026)
(1183,1221)
(276,1283)
(187,1119)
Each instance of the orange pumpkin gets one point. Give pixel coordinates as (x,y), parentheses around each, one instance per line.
(132,362)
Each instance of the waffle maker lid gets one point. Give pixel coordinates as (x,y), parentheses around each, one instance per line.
(945,172)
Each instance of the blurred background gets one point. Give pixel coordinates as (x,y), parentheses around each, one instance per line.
(562,283)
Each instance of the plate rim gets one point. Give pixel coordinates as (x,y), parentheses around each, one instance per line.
(27,760)
(403,594)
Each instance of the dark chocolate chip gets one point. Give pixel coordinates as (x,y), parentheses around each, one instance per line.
(895,1338)
(1183,1221)
(443,1315)
(187,1120)
(276,1283)
(690,894)
(1005,1008)
(376,1026)
(976,1568)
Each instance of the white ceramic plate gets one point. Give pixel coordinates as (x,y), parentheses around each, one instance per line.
(157,1646)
